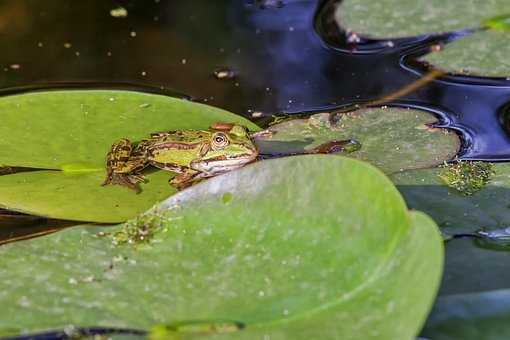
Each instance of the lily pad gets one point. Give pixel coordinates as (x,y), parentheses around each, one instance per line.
(455,212)
(483,53)
(404,18)
(471,317)
(391,138)
(71,132)
(292,247)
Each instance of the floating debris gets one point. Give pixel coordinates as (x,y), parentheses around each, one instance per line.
(257,114)
(68,45)
(467,177)
(224,73)
(119,12)
(139,230)
(347,146)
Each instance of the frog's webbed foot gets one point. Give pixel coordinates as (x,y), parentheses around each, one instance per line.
(183,180)
(128,180)
(122,167)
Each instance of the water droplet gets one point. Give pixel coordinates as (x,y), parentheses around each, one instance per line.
(119,12)
(224,73)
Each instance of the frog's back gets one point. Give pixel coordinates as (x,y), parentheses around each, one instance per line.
(176,148)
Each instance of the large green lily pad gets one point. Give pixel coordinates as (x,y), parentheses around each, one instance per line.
(393,139)
(71,132)
(298,247)
(454,212)
(483,53)
(471,317)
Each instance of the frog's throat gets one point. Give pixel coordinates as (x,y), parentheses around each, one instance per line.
(222,164)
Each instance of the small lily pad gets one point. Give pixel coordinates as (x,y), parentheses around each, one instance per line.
(319,265)
(391,138)
(71,132)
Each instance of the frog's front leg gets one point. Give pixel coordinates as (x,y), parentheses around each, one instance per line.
(123,165)
(185,179)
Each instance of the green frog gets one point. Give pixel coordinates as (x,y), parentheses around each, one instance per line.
(192,154)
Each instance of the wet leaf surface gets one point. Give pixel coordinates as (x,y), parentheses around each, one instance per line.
(391,138)
(482,53)
(321,263)
(402,18)
(71,132)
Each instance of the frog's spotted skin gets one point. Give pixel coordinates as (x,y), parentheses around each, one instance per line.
(192,154)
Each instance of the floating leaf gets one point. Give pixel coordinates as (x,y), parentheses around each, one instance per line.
(482,53)
(71,131)
(406,18)
(304,247)
(393,139)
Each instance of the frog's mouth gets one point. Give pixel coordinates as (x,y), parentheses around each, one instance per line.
(221,164)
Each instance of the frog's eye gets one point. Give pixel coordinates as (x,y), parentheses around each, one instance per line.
(219,140)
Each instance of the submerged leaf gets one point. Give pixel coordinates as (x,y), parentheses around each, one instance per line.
(471,317)
(454,212)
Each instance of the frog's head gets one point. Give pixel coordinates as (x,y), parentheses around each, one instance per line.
(230,148)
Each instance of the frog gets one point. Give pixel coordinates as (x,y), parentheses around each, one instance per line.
(192,154)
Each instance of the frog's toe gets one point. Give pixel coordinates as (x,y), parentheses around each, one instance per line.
(128,180)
